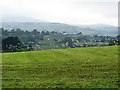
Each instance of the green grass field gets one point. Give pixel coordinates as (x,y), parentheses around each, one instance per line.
(93,67)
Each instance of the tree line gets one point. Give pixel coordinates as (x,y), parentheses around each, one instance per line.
(20,40)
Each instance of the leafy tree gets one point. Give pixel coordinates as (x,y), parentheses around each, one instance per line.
(35,32)
(114,42)
(118,37)
(11,44)
(53,32)
(43,33)
(47,33)
(69,41)
(80,33)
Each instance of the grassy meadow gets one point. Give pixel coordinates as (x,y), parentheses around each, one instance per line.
(92,67)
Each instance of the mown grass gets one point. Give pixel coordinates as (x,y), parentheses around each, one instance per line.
(93,67)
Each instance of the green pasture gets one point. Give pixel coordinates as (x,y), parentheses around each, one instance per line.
(92,67)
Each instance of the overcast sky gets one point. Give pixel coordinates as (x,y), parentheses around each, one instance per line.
(63,11)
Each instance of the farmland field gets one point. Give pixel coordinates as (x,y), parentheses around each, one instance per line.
(92,67)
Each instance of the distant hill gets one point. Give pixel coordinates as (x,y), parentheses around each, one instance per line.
(59,27)
(30,24)
(102,29)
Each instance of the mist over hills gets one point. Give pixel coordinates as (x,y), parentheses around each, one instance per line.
(20,19)
(30,24)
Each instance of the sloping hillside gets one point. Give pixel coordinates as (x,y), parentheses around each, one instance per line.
(94,67)
(61,27)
